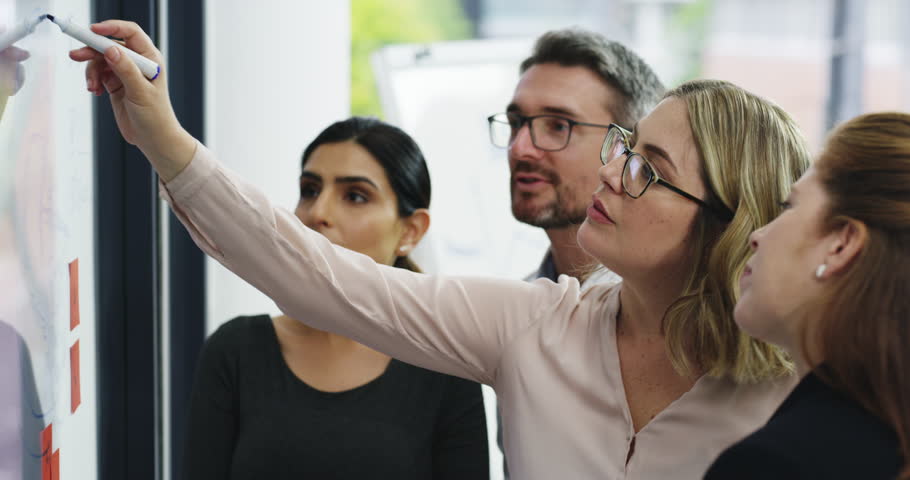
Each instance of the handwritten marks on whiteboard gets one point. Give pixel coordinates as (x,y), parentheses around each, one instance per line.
(50,458)
(47,443)
(46,218)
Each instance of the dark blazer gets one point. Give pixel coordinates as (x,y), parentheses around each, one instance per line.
(816,433)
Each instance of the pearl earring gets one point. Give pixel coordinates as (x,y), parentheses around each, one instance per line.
(820,270)
(403,250)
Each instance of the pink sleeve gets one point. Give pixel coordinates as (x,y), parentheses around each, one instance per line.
(454,325)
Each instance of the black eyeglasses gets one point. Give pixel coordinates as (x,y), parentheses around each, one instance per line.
(638,174)
(548,132)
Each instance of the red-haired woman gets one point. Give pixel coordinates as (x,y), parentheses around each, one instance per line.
(830,282)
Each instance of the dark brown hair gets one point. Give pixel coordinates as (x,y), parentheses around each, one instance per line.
(864,335)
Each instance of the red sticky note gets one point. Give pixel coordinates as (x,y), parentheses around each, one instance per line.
(47,442)
(74,293)
(75,395)
(55,465)
(47,470)
(47,439)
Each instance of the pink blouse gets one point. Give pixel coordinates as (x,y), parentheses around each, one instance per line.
(548,349)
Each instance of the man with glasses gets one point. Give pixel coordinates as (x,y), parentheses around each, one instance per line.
(572,87)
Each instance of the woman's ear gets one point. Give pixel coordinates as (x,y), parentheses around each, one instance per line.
(846,243)
(415,227)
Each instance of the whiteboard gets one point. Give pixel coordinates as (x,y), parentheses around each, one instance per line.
(47,369)
(442,94)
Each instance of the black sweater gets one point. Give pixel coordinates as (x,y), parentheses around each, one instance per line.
(252,418)
(817,433)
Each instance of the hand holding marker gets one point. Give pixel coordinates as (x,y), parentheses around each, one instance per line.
(142,108)
(150,69)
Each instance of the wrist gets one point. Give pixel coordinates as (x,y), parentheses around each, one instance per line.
(177,150)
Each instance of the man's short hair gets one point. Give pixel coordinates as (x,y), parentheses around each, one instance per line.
(638,86)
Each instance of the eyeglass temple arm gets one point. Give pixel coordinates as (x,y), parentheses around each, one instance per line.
(723,214)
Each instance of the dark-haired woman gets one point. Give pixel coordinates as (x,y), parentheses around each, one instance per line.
(830,282)
(275,398)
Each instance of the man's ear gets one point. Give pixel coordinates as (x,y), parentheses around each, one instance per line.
(415,227)
(846,243)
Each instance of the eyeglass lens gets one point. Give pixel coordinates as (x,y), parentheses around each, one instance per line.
(637,173)
(547,132)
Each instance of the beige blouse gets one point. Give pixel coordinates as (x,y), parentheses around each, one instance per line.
(548,349)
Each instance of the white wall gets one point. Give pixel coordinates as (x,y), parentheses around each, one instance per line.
(277,73)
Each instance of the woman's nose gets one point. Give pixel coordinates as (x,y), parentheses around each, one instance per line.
(611,173)
(320,212)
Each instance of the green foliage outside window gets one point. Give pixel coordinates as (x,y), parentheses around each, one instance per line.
(689,30)
(376,23)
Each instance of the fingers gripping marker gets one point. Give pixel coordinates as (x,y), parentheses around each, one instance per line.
(150,69)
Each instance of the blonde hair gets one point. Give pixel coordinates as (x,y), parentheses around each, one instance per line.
(752,151)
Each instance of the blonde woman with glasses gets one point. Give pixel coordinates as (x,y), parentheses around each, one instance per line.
(650,378)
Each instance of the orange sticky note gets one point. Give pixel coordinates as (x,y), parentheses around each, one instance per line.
(47,439)
(75,394)
(47,442)
(55,465)
(74,293)
(47,470)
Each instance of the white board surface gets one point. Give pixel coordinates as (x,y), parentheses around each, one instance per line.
(46,223)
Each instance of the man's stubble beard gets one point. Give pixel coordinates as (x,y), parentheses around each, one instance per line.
(555,214)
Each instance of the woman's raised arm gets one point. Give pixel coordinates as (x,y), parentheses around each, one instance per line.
(459,326)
